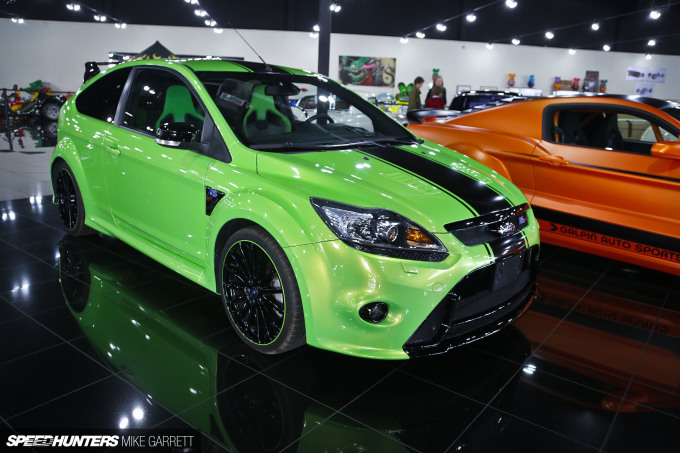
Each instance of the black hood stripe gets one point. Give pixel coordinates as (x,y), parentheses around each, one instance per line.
(479,196)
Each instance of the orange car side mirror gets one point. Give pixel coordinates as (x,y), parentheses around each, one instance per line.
(668,150)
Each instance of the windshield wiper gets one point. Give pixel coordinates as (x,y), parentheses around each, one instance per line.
(380,142)
(301,146)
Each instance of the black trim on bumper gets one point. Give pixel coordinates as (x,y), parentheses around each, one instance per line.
(482,303)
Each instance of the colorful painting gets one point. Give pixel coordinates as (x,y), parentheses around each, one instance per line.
(368,71)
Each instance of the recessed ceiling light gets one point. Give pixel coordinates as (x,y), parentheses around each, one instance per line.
(595,26)
(441,27)
(651,42)
(606,48)
(515,41)
(510,3)
(316,27)
(655,14)
(549,34)
(420,34)
(403,39)
(471,17)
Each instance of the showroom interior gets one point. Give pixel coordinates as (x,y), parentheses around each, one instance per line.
(99,338)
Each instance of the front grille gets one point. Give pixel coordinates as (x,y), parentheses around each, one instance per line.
(490,227)
(482,302)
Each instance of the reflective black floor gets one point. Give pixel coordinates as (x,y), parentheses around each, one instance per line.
(95,335)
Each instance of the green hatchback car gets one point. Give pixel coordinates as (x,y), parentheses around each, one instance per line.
(332,226)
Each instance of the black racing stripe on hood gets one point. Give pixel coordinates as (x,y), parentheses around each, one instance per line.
(480,197)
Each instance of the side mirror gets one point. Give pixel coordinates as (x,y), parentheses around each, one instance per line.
(666,150)
(174,134)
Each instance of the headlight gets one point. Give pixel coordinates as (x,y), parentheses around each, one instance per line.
(380,231)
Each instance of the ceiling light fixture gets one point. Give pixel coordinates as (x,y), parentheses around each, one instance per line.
(17,20)
(651,43)
(572,51)
(420,35)
(510,3)
(403,40)
(471,17)
(595,26)
(121,25)
(655,13)
(316,28)
(489,45)
(73,6)
(549,34)
(606,48)
(648,56)
(335,7)
(515,41)
(441,27)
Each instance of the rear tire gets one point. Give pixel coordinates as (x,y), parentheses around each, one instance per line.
(69,200)
(260,292)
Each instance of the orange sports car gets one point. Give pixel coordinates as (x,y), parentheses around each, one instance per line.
(601,172)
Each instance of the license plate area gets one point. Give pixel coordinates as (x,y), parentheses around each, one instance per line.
(507,271)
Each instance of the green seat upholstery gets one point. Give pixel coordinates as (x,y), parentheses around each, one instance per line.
(179,107)
(262,116)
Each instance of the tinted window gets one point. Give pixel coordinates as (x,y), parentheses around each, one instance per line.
(158,96)
(608,129)
(100,100)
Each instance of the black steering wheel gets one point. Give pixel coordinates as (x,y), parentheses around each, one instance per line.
(320,115)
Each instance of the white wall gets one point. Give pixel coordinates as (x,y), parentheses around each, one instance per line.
(56,51)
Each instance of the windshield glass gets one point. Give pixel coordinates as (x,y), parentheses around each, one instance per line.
(283,111)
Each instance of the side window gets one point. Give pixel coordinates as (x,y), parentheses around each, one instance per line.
(100,100)
(608,129)
(158,97)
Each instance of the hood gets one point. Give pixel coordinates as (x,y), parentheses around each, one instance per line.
(430,185)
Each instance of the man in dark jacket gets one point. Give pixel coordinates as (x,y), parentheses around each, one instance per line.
(414,96)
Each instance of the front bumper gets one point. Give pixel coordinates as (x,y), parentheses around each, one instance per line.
(485,301)
(336,281)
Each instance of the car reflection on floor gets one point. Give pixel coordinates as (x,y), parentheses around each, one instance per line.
(574,353)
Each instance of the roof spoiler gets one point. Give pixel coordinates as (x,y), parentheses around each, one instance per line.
(421,115)
(92,69)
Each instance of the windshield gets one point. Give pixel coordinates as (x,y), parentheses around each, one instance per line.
(287,112)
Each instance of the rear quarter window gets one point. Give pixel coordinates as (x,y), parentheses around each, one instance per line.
(100,100)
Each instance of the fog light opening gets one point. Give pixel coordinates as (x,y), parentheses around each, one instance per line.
(373,312)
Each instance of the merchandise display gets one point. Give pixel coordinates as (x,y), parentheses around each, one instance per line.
(330,225)
(601,172)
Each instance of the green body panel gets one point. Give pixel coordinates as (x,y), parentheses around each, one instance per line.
(153,198)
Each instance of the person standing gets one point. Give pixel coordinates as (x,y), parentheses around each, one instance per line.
(438,82)
(414,101)
(436,101)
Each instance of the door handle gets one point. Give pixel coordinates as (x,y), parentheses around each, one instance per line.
(553,160)
(113,149)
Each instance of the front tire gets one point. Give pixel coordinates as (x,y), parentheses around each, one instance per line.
(69,200)
(260,292)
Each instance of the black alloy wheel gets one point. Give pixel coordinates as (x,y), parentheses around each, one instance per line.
(69,201)
(260,292)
